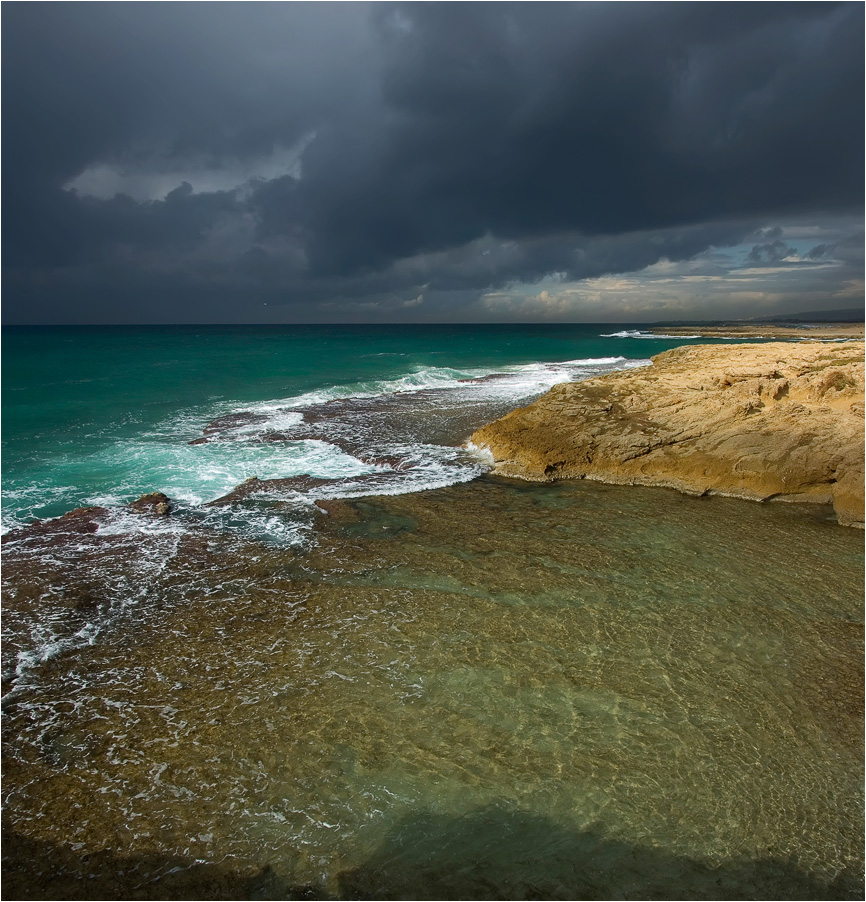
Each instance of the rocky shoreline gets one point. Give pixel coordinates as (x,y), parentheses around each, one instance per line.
(756,421)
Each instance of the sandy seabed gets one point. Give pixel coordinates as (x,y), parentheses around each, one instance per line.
(497,690)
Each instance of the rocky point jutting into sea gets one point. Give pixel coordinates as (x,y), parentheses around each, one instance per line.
(758,421)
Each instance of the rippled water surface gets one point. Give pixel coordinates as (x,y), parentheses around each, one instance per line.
(487,690)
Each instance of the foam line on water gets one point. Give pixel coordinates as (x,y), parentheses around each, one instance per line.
(198,474)
(637,333)
(122,570)
(423,379)
(163,460)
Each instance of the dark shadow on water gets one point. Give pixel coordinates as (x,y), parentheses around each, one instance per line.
(501,853)
(493,853)
(34,869)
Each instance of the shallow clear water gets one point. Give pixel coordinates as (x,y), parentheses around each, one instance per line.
(431,684)
(491,690)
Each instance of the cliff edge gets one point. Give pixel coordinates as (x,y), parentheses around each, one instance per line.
(759,421)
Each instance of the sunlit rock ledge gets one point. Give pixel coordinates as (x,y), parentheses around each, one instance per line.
(759,421)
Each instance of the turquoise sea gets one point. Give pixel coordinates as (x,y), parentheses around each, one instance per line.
(101,415)
(375,671)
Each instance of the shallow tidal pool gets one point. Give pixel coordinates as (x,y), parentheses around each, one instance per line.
(496,690)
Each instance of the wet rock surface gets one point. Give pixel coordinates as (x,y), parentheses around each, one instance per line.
(255,487)
(155,503)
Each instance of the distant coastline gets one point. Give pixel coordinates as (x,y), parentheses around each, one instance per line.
(816,331)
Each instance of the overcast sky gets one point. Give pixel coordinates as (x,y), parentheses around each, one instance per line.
(432,162)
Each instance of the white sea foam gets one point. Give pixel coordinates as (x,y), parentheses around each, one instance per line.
(424,379)
(482,452)
(21,501)
(122,569)
(278,419)
(194,474)
(592,361)
(201,473)
(637,333)
(271,440)
(30,659)
(431,473)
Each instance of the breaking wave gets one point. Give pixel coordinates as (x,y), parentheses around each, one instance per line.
(636,333)
(385,436)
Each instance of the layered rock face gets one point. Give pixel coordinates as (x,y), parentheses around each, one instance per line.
(780,420)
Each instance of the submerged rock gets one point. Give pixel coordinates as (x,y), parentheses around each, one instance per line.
(780,420)
(80,521)
(263,487)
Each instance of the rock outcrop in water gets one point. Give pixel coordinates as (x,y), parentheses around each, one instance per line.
(152,503)
(780,420)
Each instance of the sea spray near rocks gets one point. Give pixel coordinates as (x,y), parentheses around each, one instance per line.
(397,434)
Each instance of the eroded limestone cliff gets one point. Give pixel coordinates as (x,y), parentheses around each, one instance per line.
(760,421)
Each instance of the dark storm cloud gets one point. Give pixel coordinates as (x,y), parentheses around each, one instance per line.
(141,82)
(526,120)
(848,250)
(773,252)
(441,147)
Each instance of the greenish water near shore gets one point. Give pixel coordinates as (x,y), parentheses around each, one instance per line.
(490,690)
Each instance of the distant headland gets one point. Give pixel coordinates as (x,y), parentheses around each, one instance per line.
(811,324)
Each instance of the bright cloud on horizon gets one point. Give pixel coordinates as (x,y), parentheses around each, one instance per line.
(714,284)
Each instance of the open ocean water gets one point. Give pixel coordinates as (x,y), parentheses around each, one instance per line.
(374,671)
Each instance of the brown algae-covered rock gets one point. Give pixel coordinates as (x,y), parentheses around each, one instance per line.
(152,503)
(758,421)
